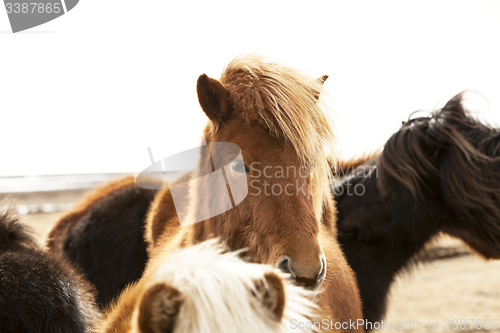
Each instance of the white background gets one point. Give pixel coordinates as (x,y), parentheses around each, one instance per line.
(89,91)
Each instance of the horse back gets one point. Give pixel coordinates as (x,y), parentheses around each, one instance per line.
(61,228)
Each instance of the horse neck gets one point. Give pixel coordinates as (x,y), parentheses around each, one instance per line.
(375,276)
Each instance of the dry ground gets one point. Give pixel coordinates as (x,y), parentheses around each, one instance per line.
(463,287)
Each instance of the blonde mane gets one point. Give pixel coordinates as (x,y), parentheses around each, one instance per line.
(219,292)
(286,101)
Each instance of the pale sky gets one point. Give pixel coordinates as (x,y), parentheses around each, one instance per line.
(91,90)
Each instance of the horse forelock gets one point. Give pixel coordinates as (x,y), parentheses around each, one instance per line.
(285,102)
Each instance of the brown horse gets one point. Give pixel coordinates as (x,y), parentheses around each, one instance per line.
(272,113)
(436,174)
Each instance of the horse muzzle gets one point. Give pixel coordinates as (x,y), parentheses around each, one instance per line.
(311,282)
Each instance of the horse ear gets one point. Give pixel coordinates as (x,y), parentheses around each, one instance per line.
(455,104)
(159,308)
(272,294)
(321,80)
(214,99)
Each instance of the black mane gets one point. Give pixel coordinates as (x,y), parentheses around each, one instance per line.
(436,174)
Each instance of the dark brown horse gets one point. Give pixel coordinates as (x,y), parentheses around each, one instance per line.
(103,235)
(272,113)
(436,174)
(39,293)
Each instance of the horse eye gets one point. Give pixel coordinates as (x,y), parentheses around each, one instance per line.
(239,167)
(352,233)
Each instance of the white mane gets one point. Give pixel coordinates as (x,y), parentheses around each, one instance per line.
(217,288)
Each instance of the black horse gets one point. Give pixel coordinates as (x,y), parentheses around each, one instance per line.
(39,293)
(436,174)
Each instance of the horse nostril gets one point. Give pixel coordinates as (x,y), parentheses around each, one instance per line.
(314,283)
(284,265)
(310,284)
